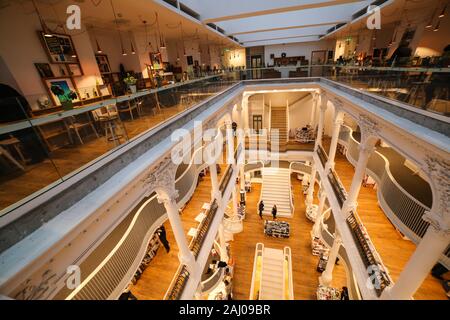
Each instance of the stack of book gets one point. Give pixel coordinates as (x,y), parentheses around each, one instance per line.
(277,229)
(318,247)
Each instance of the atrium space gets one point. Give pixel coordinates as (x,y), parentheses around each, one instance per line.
(202,150)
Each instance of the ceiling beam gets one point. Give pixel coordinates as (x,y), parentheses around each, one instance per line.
(283,38)
(282,42)
(305,6)
(288,28)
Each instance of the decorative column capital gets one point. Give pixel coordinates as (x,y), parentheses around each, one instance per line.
(338,104)
(338,121)
(438,170)
(161,178)
(369,127)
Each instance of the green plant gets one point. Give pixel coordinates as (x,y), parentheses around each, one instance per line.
(130,80)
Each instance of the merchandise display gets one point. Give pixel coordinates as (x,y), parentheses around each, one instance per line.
(318,247)
(277,229)
(311,212)
(321,265)
(328,293)
(305,134)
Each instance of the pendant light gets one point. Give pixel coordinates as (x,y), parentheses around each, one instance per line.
(443,12)
(99,50)
(131,43)
(124,53)
(182,39)
(45,29)
(162,43)
(437,26)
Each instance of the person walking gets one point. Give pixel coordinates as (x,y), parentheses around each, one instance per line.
(261,208)
(274,212)
(163,238)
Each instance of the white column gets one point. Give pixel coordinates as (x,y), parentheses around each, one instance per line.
(334,141)
(314,107)
(365,150)
(323,108)
(327,276)
(215,192)
(230,144)
(427,253)
(222,243)
(316,226)
(235,200)
(310,195)
(185,255)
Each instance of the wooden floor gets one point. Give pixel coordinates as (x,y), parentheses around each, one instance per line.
(17,185)
(305,276)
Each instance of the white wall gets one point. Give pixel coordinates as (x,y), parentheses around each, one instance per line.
(21,47)
(300,113)
(296,49)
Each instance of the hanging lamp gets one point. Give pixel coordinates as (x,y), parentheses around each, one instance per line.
(45,29)
(443,12)
(124,53)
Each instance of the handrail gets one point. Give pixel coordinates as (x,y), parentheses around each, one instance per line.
(257,273)
(337,187)
(196,244)
(178,284)
(288,279)
(322,155)
(225,179)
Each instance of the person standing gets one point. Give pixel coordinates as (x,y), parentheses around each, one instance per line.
(261,208)
(163,238)
(274,212)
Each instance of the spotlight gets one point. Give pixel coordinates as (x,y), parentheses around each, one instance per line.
(437,26)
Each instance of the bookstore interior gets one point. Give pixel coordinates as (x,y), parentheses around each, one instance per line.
(224,150)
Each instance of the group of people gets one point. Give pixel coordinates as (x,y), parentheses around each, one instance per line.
(261,209)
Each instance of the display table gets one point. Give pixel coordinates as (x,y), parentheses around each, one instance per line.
(328,293)
(318,247)
(305,134)
(277,229)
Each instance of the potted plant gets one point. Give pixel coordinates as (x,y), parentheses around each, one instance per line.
(130,81)
(65,98)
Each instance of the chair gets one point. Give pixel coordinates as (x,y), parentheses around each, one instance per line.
(74,124)
(109,119)
(130,106)
(14,143)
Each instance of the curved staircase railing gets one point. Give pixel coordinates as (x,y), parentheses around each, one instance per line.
(401,208)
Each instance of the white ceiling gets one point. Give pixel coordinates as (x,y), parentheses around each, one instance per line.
(262,22)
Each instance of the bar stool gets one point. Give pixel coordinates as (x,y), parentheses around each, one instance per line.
(109,119)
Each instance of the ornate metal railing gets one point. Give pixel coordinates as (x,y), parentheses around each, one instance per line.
(226,179)
(197,242)
(376,270)
(178,284)
(337,187)
(322,155)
